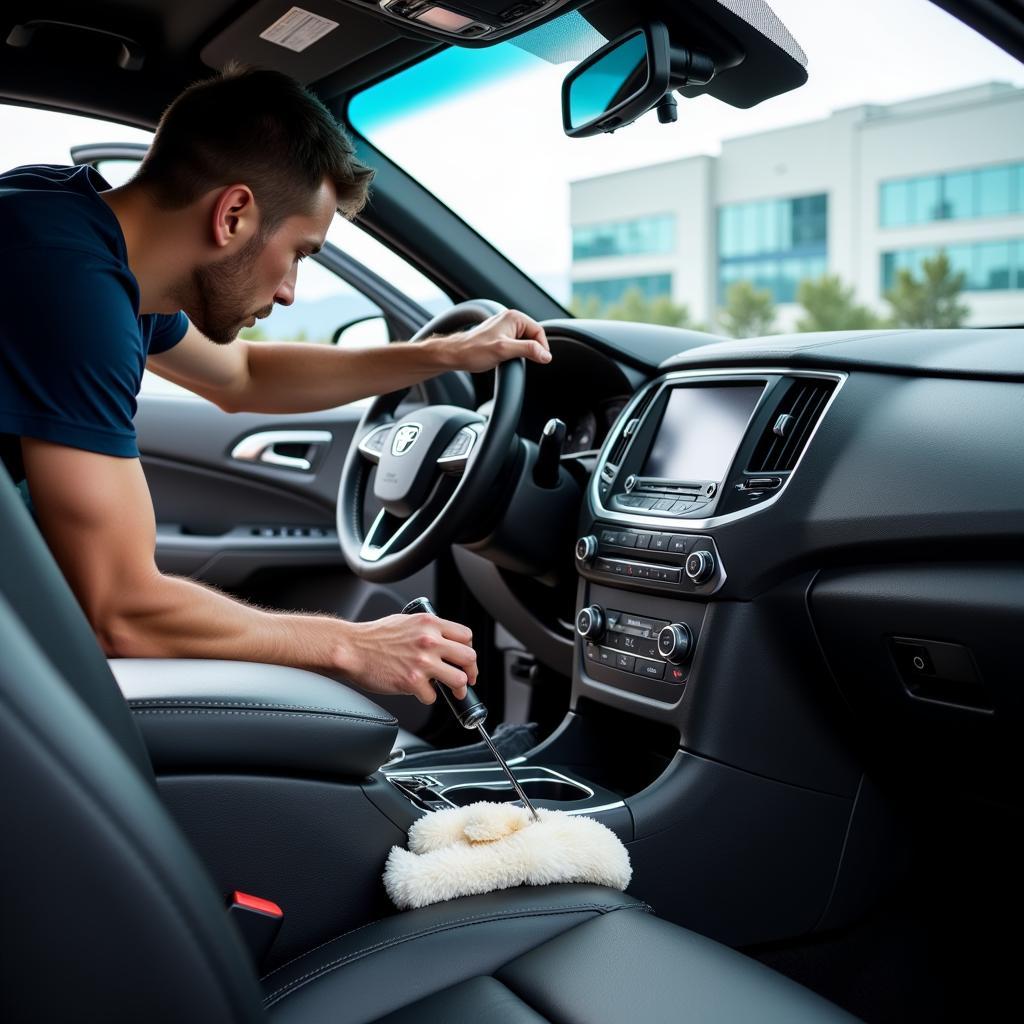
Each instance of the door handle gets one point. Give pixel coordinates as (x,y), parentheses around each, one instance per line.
(265,447)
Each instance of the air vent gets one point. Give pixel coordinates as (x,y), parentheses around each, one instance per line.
(630,429)
(791,425)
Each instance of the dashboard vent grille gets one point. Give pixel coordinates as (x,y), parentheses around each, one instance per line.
(629,429)
(786,435)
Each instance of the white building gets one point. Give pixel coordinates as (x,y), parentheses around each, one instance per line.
(866,191)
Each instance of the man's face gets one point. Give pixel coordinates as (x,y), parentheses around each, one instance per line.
(234,292)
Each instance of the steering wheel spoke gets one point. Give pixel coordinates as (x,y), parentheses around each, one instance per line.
(457,453)
(375,441)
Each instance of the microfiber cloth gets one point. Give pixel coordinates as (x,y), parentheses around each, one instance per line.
(465,851)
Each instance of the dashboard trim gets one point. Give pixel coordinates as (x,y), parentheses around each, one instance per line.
(659,384)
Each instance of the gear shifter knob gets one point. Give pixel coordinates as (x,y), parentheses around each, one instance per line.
(549,454)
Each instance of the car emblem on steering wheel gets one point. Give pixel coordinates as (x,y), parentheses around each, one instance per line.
(405,438)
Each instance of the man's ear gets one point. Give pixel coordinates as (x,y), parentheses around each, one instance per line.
(235,218)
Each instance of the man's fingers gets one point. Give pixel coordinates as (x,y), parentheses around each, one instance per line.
(460,656)
(527,327)
(455,631)
(516,348)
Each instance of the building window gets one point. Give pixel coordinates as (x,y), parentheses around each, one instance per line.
(610,291)
(624,238)
(986,266)
(774,244)
(980,192)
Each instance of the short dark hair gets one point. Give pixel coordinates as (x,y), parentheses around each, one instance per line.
(260,128)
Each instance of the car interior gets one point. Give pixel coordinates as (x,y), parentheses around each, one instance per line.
(756,605)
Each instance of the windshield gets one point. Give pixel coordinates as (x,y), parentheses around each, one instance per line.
(887,190)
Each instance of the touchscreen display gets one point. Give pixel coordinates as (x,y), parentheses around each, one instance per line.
(700,431)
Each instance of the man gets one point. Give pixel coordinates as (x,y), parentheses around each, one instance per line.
(240,184)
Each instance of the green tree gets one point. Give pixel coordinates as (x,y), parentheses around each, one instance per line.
(831,307)
(586,307)
(253,334)
(931,300)
(749,312)
(637,308)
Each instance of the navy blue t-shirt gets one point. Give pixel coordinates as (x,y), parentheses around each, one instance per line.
(72,343)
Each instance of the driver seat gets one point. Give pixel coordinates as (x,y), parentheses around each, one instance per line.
(110,916)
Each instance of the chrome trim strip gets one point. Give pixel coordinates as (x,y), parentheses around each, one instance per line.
(597,508)
(371,552)
(596,810)
(459,461)
(372,454)
(259,447)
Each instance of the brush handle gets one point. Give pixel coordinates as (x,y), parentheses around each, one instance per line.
(469,711)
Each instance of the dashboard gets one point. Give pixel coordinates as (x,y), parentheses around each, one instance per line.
(823,533)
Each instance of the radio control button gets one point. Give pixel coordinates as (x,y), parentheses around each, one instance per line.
(586,548)
(675,642)
(681,506)
(647,503)
(700,566)
(590,622)
(663,505)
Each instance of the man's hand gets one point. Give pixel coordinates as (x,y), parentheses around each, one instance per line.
(508,335)
(402,653)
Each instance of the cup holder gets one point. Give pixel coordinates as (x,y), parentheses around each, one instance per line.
(552,790)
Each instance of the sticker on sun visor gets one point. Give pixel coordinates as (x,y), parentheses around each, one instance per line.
(298,29)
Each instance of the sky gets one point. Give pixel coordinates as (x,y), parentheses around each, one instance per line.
(497,155)
(509,173)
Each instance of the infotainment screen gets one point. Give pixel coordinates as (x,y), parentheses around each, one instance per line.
(700,431)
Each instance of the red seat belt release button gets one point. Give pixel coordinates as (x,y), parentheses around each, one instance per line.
(258,920)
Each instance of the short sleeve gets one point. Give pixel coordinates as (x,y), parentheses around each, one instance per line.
(166,331)
(71,350)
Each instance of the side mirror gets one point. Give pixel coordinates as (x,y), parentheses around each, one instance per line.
(626,78)
(366,330)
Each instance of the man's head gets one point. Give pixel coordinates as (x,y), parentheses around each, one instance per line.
(269,166)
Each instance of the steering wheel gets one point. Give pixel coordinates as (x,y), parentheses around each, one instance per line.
(437,466)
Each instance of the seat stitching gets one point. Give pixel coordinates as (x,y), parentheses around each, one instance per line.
(256,714)
(141,702)
(453,925)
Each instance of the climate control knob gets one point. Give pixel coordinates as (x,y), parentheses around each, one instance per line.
(586,547)
(590,622)
(675,642)
(700,566)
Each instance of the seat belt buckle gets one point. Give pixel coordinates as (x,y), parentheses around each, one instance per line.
(258,921)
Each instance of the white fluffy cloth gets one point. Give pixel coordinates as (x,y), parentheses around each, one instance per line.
(488,846)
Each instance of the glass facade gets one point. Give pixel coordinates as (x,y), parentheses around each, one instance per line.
(987,266)
(610,291)
(774,244)
(981,192)
(624,237)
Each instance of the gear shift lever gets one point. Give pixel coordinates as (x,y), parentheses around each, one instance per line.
(470,712)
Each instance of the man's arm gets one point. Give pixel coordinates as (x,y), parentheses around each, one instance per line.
(287,377)
(97,516)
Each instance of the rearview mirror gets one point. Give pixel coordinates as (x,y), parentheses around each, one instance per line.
(626,78)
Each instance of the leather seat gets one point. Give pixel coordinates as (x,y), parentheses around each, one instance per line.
(110,916)
(573,954)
